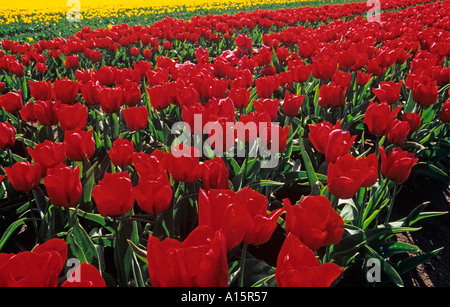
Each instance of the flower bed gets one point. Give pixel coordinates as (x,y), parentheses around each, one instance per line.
(259,149)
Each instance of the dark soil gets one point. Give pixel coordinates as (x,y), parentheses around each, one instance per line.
(434,232)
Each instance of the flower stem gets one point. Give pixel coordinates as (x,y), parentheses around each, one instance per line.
(241,277)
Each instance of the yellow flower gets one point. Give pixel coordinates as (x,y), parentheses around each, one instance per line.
(30,39)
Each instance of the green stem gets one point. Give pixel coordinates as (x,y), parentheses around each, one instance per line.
(241,277)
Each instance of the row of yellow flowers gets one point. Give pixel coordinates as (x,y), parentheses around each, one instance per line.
(50,11)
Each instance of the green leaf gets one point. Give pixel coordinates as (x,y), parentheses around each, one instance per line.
(387,268)
(404,266)
(312,177)
(387,249)
(10,230)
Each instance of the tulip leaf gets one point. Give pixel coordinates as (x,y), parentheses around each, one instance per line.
(388,249)
(312,177)
(406,265)
(10,230)
(387,268)
(81,244)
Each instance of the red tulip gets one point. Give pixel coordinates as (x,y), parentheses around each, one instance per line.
(27,112)
(159,96)
(105,75)
(63,185)
(72,62)
(113,194)
(183,163)
(136,118)
(445,112)
(323,68)
(319,133)
(72,116)
(7,135)
(90,92)
(121,152)
(40,267)
(260,226)
(132,93)
(40,90)
(369,167)
(300,72)
(272,132)
(24,176)
(45,112)
(215,174)
(218,209)
(314,221)
(153,192)
(331,96)
(338,144)
(379,117)
(48,154)
(399,132)
(389,91)
(11,102)
(271,106)
(397,164)
(425,93)
(345,176)
(413,119)
(111,99)
(292,104)
(79,144)
(362,78)
(240,97)
(65,90)
(149,164)
(199,261)
(297,266)
(85,275)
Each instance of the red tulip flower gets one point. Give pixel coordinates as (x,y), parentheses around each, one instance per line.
(111,99)
(63,185)
(159,96)
(183,163)
(292,104)
(40,90)
(24,176)
(136,118)
(199,261)
(319,133)
(324,67)
(121,152)
(65,90)
(72,117)
(331,96)
(338,144)
(240,97)
(85,275)
(397,164)
(445,112)
(297,266)
(425,93)
(153,193)
(389,91)
(399,132)
(48,154)
(314,221)
(45,112)
(379,117)
(7,135)
(215,174)
(218,209)
(90,92)
(369,167)
(11,102)
(72,62)
(362,78)
(260,226)
(113,194)
(79,144)
(40,267)
(271,106)
(413,119)
(346,176)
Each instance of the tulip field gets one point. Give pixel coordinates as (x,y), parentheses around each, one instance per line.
(219,144)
